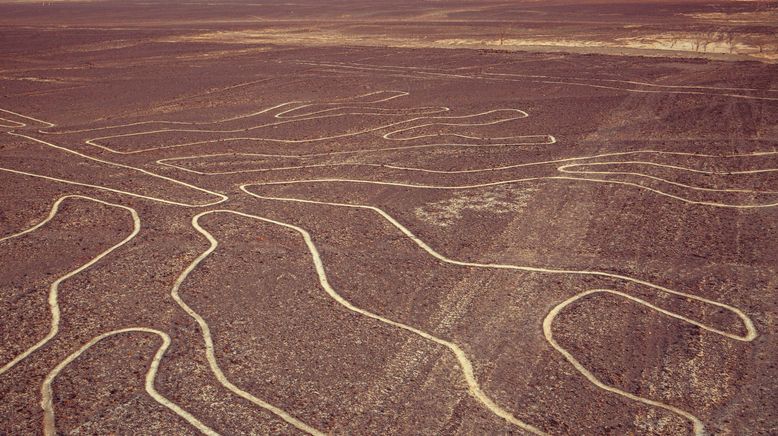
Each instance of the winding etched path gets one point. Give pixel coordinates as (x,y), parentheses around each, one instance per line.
(416,124)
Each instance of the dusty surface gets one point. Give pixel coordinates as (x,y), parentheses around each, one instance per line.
(221,221)
(700,28)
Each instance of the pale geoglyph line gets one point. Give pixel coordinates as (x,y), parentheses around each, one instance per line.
(314,115)
(220,120)
(750,335)
(546,140)
(4,122)
(45,123)
(697,425)
(98,187)
(648,84)
(54,287)
(563,169)
(573,162)
(94,141)
(208,339)
(532,179)
(287,120)
(464,362)
(518,114)
(55,313)
(222,197)
(670,89)
(47,394)
(286,116)
(751,331)
(677,167)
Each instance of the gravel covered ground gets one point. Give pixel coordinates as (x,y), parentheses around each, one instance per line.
(263,219)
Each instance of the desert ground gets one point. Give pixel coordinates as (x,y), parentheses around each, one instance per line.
(352,217)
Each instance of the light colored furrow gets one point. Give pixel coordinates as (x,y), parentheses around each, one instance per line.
(697,425)
(45,123)
(54,287)
(531,179)
(288,116)
(215,121)
(47,394)
(518,114)
(565,169)
(750,331)
(464,362)
(705,91)
(208,339)
(595,169)
(222,197)
(98,187)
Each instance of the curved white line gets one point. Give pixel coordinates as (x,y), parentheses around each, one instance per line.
(528,179)
(699,428)
(556,80)
(49,425)
(102,188)
(751,332)
(520,114)
(11,123)
(676,167)
(49,217)
(220,120)
(464,362)
(222,197)
(547,140)
(54,287)
(388,135)
(46,123)
(563,168)
(286,116)
(208,339)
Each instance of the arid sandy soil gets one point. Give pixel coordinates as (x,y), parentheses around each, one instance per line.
(335,217)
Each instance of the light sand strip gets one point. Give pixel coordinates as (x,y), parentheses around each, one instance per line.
(4,122)
(288,113)
(530,140)
(464,362)
(747,323)
(54,287)
(568,169)
(532,179)
(750,335)
(220,120)
(550,140)
(516,114)
(45,123)
(565,169)
(221,197)
(288,116)
(670,89)
(49,425)
(102,188)
(698,427)
(207,338)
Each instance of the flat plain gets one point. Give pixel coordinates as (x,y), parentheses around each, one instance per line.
(350,217)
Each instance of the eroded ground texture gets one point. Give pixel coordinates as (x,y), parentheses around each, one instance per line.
(324,217)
